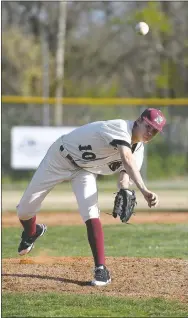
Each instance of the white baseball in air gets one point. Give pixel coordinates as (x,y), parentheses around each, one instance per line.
(142,28)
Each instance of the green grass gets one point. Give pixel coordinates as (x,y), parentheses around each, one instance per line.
(149,240)
(61,305)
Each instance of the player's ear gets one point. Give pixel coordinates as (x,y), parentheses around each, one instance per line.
(138,121)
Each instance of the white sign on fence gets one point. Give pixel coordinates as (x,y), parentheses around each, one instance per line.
(30,144)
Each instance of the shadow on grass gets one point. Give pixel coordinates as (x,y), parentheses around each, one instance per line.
(57,279)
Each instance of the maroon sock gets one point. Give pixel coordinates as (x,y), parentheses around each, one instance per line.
(96,240)
(29,226)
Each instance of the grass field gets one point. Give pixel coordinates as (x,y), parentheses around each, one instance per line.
(58,305)
(147,240)
(151,240)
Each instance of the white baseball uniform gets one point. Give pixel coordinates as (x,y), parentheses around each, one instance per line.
(80,156)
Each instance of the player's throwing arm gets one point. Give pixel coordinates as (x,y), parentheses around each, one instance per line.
(132,170)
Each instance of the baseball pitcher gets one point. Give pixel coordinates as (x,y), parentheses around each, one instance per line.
(98,148)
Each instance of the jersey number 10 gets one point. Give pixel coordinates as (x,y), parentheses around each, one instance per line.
(87,155)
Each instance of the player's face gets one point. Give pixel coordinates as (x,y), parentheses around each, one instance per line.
(146,131)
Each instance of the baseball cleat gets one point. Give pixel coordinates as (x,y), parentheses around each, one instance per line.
(101,276)
(27,243)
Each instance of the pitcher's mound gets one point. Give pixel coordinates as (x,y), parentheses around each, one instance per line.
(135,277)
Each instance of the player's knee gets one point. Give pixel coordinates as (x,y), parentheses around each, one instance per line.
(92,213)
(23,213)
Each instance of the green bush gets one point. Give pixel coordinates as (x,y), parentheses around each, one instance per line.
(160,166)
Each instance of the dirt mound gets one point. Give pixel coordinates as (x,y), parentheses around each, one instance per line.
(74,218)
(136,277)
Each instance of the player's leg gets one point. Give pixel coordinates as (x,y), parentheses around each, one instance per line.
(85,189)
(26,211)
(52,170)
(27,208)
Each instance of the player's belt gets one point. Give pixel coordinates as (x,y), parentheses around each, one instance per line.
(68,156)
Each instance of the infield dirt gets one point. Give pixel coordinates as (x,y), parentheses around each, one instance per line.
(135,277)
(74,218)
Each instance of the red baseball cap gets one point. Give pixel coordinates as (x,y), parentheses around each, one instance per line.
(154,117)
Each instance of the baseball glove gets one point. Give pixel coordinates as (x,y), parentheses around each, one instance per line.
(124,204)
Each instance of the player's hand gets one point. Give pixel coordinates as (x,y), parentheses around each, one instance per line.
(151,198)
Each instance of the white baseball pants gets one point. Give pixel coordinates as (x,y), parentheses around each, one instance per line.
(54,169)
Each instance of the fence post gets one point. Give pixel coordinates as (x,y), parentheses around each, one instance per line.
(43,18)
(60,62)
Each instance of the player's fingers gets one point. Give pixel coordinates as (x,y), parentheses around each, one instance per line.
(153,200)
(154,204)
(154,196)
(149,202)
